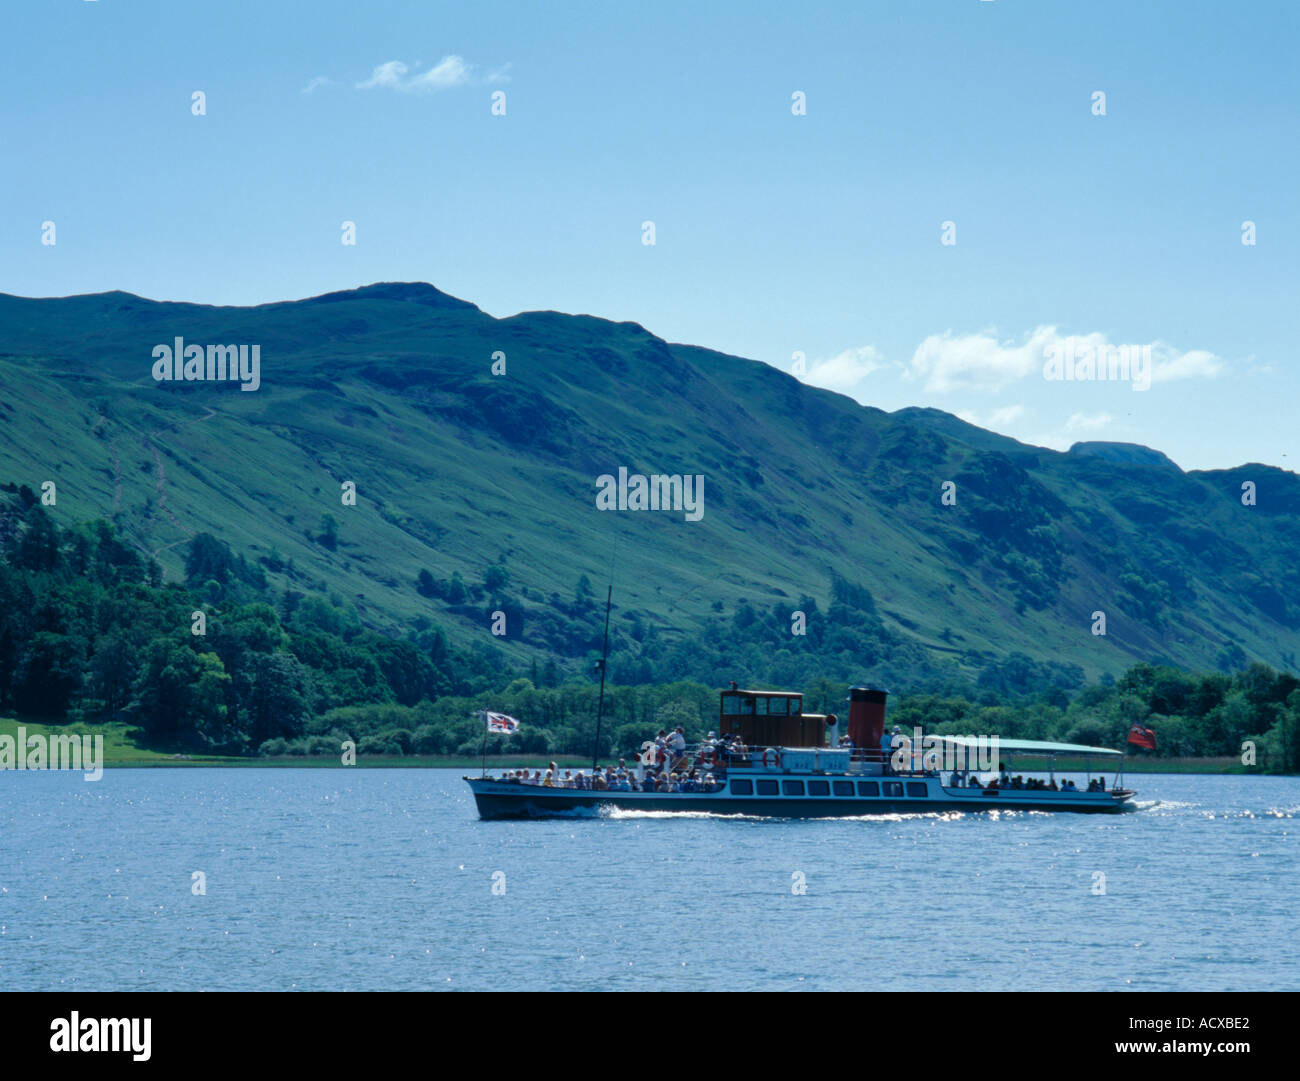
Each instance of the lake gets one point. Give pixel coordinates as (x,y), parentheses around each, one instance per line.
(356,879)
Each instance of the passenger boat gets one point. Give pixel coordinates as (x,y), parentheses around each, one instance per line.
(773,759)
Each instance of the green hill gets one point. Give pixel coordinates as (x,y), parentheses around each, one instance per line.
(807,495)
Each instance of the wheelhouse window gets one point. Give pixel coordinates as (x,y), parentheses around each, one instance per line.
(741,787)
(778,706)
(819,788)
(760,706)
(843,788)
(868,788)
(792,788)
(767,788)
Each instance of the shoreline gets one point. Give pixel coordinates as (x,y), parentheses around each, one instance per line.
(120,750)
(1184,766)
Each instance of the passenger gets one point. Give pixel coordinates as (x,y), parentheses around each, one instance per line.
(677,745)
(1052,785)
(710,783)
(548,781)
(661,747)
(886,746)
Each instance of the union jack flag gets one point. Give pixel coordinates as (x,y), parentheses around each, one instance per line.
(499,722)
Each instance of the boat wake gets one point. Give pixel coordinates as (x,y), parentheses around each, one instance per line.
(620,813)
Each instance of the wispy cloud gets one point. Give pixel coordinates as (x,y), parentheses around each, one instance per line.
(999,418)
(1168,364)
(389,74)
(957,361)
(983,361)
(451,71)
(845,369)
(447,72)
(316,84)
(1087,422)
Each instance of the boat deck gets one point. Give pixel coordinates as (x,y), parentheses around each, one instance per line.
(788,796)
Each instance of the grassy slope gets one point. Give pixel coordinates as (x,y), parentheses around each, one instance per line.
(389,387)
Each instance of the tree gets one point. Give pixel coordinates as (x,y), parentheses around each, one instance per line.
(38,549)
(207,558)
(495,579)
(274,700)
(112,670)
(329,532)
(170,669)
(425,585)
(49,674)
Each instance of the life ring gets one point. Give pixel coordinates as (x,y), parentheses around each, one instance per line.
(771,757)
(706,760)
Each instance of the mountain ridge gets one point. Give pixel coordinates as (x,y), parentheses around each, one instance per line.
(391,386)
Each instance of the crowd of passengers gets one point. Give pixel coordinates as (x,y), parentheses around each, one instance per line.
(1031,784)
(616,779)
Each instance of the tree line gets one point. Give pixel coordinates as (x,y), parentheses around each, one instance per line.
(90,631)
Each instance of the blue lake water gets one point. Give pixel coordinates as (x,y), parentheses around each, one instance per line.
(332,879)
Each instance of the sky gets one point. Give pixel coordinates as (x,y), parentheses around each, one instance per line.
(802,165)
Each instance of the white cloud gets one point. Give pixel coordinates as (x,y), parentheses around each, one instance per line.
(501,75)
(846,369)
(389,74)
(954,362)
(317,83)
(1087,422)
(999,418)
(1168,364)
(450,71)
(980,361)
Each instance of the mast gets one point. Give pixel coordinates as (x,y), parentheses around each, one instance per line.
(600,704)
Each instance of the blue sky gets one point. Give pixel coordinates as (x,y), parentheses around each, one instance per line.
(775,234)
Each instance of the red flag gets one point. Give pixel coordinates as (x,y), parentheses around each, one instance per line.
(1141,735)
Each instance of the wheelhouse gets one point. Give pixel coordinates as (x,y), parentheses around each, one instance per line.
(769,719)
